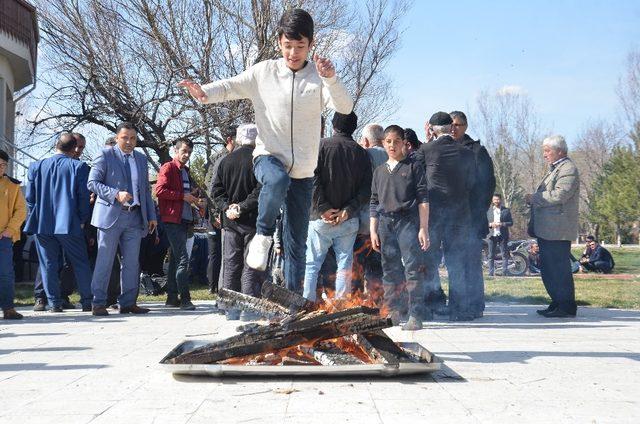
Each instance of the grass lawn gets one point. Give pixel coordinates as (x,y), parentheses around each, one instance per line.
(597,290)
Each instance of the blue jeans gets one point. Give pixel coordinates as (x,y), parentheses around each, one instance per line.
(294,196)
(126,233)
(178,272)
(320,238)
(75,250)
(7,276)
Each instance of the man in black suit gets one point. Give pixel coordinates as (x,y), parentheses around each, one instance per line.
(450,170)
(484,185)
(500,220)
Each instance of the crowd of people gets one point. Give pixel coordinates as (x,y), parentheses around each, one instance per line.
(400,207)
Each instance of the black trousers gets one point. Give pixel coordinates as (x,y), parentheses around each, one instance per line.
(474,279)
(598,266)
(237,276)
(555,270)
(494,242)
(448,237)
(214,261)
(402,263)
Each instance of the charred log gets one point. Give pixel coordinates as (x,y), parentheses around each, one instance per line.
(245,302)
(278,336)
(381,348)
(286,298)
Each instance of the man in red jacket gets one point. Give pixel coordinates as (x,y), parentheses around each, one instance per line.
(175,203)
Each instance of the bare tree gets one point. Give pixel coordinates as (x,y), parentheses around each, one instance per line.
(105,61)
(509,119)
(628,91)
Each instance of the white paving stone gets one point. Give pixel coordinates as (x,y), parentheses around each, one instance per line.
(510,366)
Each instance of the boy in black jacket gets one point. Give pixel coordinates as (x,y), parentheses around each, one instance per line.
(399,226)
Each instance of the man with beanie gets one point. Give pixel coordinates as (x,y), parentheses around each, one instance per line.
(449,170)
(235,193)
(342,184)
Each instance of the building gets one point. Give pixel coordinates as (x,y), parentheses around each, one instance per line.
(18,59)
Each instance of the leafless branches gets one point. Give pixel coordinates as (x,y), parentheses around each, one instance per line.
(106,61)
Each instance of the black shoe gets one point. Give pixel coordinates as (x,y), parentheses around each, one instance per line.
(545,311)
(186,305)
(40,305)
(172,300)
(461,317)
(558,313)
(99,311)
(11,313)
(87,308)
(56,309)
(66,304)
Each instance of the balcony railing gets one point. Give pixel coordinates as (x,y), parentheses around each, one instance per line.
(18,19)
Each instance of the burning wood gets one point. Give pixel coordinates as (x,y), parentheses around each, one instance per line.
(301,333)
(277,336)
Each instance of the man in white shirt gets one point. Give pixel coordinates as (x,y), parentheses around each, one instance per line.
(500,220)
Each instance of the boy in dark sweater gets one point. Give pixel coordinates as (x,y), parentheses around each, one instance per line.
(399,226)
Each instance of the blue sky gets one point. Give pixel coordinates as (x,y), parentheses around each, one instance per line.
(567,55)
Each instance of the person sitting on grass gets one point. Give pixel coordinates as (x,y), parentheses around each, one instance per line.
(599,259)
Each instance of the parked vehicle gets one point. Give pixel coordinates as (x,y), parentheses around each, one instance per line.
(518,262)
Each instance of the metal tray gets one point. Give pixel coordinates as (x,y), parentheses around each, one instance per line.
(425,362)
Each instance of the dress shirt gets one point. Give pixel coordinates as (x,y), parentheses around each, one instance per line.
(134,176)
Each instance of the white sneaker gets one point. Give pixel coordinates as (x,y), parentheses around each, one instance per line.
(258,255)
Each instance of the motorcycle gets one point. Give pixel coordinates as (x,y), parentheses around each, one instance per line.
(517,263)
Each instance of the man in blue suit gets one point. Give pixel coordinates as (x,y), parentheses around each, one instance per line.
(58,202)
(124,213)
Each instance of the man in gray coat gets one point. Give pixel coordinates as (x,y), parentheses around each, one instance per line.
(554,221)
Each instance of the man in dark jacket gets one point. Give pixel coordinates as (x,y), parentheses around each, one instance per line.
(214,237)
(342,184)
(449,169)
(499,218)
(599,258)
(235,193)
(483,186)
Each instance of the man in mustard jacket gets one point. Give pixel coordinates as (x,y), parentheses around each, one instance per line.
(12,214)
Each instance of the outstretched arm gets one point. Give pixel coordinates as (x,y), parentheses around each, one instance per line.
(239,87)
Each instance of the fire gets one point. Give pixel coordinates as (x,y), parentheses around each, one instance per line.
(352,300)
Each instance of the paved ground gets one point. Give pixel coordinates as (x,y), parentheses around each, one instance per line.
(510,366)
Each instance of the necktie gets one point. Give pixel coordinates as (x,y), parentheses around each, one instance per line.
(127,173)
